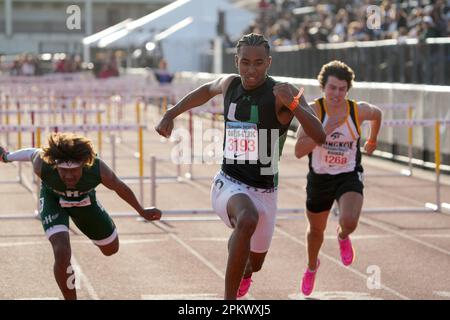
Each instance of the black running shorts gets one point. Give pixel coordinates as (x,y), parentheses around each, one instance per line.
(323,189)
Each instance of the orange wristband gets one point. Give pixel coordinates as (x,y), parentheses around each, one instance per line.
(294,103)
(371,142)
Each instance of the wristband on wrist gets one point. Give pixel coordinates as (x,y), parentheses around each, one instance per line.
(372,142)
(295,102)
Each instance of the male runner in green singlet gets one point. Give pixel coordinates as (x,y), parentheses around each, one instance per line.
(70,171)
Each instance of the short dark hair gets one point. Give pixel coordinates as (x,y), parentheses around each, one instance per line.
(253,39)
(337,69)
(69,147)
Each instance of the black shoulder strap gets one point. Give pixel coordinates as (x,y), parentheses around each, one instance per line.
(322,109)
(353,113)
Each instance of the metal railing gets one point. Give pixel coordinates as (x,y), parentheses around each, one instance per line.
(381,61)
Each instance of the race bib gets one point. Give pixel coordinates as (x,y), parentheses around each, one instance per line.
(241,141)
(333,160)
(70,204)
(337,154)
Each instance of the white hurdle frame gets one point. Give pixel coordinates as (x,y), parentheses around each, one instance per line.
(409,108)
(429,206)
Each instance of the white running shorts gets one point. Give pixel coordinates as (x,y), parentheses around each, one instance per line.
(265,201)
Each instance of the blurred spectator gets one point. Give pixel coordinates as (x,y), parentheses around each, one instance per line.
(68,64)
(429,29)
(15,69)
(108,70)
(162,75)
(28,68)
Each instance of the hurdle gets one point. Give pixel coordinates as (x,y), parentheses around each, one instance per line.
(436,206)
(408,108)
(153,196)
(36,133)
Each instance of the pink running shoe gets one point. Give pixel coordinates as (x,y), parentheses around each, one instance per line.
(244,286)
(308,280)
(347,251)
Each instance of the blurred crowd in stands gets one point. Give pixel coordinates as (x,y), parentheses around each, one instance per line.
(26,65)
(310,22)
(36,65)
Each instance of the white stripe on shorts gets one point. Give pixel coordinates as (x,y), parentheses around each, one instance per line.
(56,229)
(106,241)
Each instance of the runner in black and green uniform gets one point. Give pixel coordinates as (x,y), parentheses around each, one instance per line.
(70,171)
(57,203)
(257,113)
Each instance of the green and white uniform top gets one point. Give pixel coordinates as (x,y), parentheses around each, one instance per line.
(77,197)
(58,203)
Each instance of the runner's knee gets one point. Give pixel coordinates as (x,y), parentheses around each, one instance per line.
(61,249)
(247,221)
(316,231)
(62,254)
(110,249)
(348,224)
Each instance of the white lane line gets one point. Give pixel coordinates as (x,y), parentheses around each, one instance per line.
(329,237)
(438,236)
(138,241)
(339,263)
(45,242)
(84,279)
(379,189)
(208,239)
(192,251)
(39,298)
(213,239)
(362,237)
(21,243)
(182,296)
(444,294)
(334,295)
(197,255)
(403,235)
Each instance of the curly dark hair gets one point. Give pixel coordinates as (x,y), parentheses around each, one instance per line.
(69,147)
(337,69)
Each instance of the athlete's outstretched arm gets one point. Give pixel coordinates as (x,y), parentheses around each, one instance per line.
(19,155)
(111,181)
(373,114)
(193,99)
(311,125)
(27,154)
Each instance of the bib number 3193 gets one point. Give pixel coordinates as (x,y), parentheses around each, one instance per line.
(241,141)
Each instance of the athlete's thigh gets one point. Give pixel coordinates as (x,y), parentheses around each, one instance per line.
(350,205)
(227,198)
(349,195)
(266,206)
(241,205)
(53,217)
(94,222)
(320,193)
